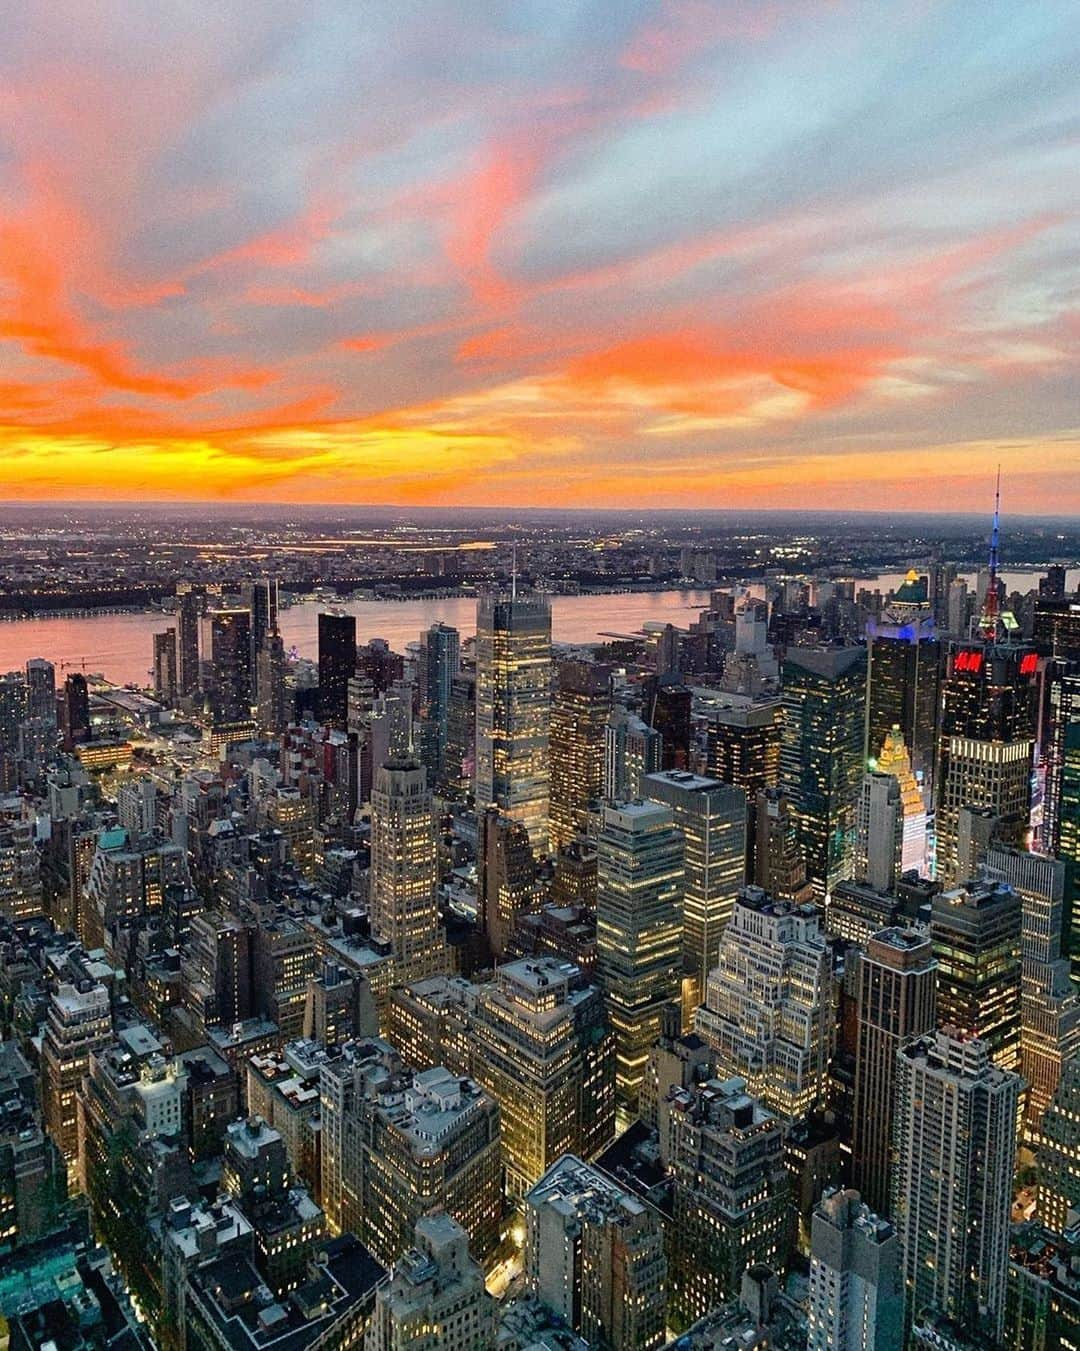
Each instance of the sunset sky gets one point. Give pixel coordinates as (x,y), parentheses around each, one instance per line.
(541,252)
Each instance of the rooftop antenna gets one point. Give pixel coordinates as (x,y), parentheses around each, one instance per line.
(988,624)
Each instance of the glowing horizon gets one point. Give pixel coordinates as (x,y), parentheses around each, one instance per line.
(664,253)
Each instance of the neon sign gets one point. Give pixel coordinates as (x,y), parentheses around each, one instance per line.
(970,660)
(1028,663)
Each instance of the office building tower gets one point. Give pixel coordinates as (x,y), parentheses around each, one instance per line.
(895,760)
(41,691)
(856,1286)
(506,885)
(594,1254)
(261,598)
(632,749)
(435,1295)
(337,662)
(403,900)
(513,706)
(1059,1151)
(958,608)
(1069,840)
(731,1195)
(779,860)
(189,607)
(227,670)
(639,879)
(33,1178)
(459,765)
(955,1141)
(271,699)
(986,744)
(896,1002)
(1056,627)
(976,935)
(1061,716)
(903,660)
(879,832)
(438,663)
(767,1013)
(427,1139)
(579,713)
(166,680)
(21,894)
(1049,1000)
(821,761)
(541,1046)
(75,711)
(712,819)
(78,1023)
(744,751)
(13,710)
(128,878)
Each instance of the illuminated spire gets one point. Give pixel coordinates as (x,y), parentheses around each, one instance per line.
(990,618)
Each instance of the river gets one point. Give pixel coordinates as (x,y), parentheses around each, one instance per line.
(119,645)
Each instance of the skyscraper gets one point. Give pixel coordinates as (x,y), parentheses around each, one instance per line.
(976,935)
(712,819)
(403,903)
(228,670)
(579,714)
(1062,715)
(438,667)
(594,1253)
(821,757)
(337,662)
(1059,1150)
(903,659)
(1049,1000)
(768,1004)
(166,684)
(856,1286)
(505,878)
(513,705)
(41,691)
(897,995)
(879,831)
(75,710)
(272,705)
(189,603)
(744,751)
(640,879)
(779,860)
(955,1141)
(632,749)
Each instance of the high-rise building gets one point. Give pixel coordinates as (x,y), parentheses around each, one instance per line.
(976,934)
(435,1295)
(821,754)
(1049,1000)
(879,832)
(594,1254)
(189,605)
(640,879)
(513,708)
(896,1002)
(744,751)
(1069,841)
(403,901)
(166,681)
(955,1134)
(75,710)
(902,673)
(579,714)
(1062,717)
(78,1023)
(337,662)
(21,895)
(768,1004)
(459,764)
(632,749)
(440,648)
(41,691)
(128,879)
(894,759)
(986,744)
(712,818)
(856,1285)
(228,673)
(1059,1151)
(541,1046)
(731,1194)
(272,707)
(505,878)
(779,860)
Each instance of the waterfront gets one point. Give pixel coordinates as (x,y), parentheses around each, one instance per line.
(119,645)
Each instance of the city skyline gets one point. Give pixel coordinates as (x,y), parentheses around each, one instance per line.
(647,255)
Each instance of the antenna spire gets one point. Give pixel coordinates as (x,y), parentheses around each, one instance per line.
(988,624)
